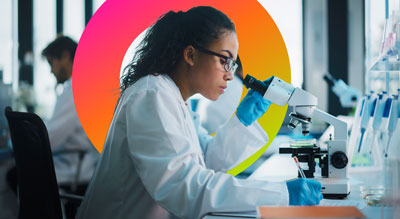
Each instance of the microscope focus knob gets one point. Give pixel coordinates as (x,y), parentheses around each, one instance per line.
(339,160)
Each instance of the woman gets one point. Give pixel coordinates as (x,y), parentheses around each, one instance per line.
(152,156)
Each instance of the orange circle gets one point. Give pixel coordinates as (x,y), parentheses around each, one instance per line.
(116,24)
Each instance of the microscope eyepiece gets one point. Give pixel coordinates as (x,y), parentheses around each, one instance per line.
(257,85)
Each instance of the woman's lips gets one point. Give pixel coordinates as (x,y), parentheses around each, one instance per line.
(222,89)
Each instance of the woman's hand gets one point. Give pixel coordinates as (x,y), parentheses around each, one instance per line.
(252,107)
(304,192)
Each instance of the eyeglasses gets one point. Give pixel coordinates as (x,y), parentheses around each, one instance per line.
(229,66)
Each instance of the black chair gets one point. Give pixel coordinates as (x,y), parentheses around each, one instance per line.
(38,193)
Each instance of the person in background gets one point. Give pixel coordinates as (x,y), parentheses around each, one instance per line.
(73,169)
(64,128)
(152,164)
(74,156)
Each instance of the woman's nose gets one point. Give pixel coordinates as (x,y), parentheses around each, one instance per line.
(228,76)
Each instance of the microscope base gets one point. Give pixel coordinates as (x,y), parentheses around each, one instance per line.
(334,187)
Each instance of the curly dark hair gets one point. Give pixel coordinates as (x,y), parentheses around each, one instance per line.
(163,44)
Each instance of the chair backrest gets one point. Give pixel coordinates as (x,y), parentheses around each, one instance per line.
(37,184)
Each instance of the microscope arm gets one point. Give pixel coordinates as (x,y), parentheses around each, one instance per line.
(303,102)
(340,127)
(281,93)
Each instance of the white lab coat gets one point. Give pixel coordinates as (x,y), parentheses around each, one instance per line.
(152,155)
(65,133)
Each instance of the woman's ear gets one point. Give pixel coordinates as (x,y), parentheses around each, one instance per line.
(189,55)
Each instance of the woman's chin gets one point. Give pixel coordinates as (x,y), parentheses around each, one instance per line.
(211,96)
(214,98)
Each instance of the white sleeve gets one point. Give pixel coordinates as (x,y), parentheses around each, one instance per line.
(170,166)
(233,143)
(64,120)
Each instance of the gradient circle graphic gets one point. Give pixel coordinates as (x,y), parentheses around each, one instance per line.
(117,23)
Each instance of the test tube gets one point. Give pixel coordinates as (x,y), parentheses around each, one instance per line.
(299,167)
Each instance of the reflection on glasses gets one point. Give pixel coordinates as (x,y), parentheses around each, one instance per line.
(229,66)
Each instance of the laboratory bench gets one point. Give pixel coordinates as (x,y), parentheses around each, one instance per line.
(281,167)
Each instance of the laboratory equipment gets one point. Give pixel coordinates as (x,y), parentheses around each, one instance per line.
(368,104)
(281,93)
(348,96)
(392,120)
(332,160)
(384,73)
(383,76)
(377,114)
(378,120)
(299,167)
(364,119)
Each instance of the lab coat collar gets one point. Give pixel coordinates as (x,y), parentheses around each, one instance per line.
(175,88)
(68,82)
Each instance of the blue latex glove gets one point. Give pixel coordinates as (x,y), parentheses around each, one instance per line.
(304,192)
(252,107)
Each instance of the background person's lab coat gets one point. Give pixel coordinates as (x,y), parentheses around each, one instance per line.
(152,154)
(66,133)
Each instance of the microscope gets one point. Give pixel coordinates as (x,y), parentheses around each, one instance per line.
(348,96)
(333,160)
